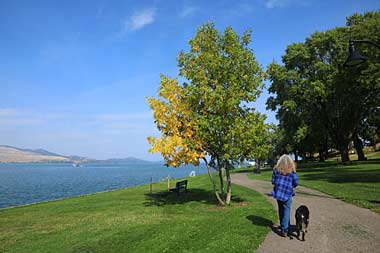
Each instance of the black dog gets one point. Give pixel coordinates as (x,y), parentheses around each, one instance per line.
(302,221)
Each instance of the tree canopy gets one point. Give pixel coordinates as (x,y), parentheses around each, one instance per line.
(210,115)
(320,103)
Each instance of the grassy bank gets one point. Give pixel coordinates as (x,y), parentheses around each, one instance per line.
(358,183)
(132,220)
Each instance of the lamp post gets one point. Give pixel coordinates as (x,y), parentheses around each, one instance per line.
(353,57)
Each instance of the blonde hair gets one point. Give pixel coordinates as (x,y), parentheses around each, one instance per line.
(285,165)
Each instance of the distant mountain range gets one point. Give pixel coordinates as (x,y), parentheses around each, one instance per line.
(125,160)
(12,154)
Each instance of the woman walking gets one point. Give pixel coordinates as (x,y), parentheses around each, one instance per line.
(284,179)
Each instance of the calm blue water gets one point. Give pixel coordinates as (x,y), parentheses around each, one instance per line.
(25,183)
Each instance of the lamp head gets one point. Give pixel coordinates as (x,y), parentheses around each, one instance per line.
(353,57)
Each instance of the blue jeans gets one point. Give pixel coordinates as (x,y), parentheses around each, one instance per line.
(284,213)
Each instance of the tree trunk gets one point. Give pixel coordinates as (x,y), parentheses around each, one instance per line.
(304,159)
(344,154)
(242,163)
(358,144)
(326,152)
(229,191)
(220,172)
(321,155)
(257,169)
(221,202)
(221,180)
(295,156)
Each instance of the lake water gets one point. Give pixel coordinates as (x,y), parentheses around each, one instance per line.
(25,183)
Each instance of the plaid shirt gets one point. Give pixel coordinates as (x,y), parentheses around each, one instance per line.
(283,185)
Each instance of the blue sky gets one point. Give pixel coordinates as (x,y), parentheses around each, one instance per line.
(74,75)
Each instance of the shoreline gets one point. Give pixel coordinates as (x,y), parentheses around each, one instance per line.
(88,194)
(74,196)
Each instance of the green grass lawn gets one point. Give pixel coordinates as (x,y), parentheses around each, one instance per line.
(358,183)
(132,220)
(353,157)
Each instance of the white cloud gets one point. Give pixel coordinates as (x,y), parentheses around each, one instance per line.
(97,135)
(91,125)
(188,11)
(24,122)
(62,52)
(5,112)
(119,117)
(239,10)
(140,19)
(270,4)
(100,11)
(10,117)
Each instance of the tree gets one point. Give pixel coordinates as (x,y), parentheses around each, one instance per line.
(268,150)
(315,91)
(369,129)
(210,116)
(366,27)
(317,99)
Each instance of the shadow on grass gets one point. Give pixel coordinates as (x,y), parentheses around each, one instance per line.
(342,176)
(356,172)
(371,160)
(171,198)
(260,221)
(312,166)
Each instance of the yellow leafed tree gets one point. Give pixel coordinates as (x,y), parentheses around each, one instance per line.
(210,116)
(178,143)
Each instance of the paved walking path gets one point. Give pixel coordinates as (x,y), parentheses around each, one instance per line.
(335,226)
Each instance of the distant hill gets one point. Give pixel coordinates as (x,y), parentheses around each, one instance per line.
(79,158)
(10,154)
(13,154)
(130,160)
(38,151)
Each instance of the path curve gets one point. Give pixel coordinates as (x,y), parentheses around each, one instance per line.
(335,226)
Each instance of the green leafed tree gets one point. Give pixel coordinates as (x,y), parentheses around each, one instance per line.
(210,116)
(317,99)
